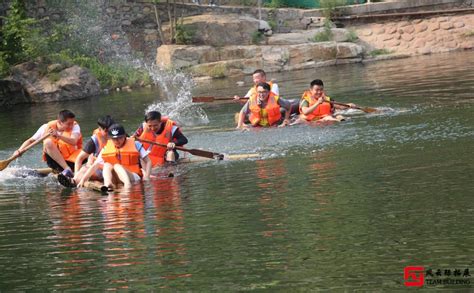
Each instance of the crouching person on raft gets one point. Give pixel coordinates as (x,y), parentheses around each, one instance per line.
(265,109)
(164,131)
(89,152)
(316,106)
(121,160)
(62,144)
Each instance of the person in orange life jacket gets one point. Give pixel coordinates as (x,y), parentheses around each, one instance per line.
(89,152)
(121,158)
(162,130)
(316,106)
(259,76)
(62,146)
(265,109)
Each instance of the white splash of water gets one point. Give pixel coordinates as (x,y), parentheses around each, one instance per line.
(177,102)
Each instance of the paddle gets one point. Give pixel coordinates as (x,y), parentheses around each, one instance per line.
(212,99)
(196,152)
(4,163)
(365,109)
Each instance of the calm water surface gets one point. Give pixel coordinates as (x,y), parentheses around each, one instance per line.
(344,206)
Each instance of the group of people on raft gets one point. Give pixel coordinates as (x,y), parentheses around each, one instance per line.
(110,155)
(114,157)
(266,108)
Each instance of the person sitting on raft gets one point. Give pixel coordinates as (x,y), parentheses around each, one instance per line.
(121,158)
(62,146)
(316,106)
(160,129)
(89,152)
(265,109)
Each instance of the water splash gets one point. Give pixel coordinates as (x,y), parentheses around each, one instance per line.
(177,102)
(93,33)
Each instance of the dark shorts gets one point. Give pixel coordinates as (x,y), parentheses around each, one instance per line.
(55,166)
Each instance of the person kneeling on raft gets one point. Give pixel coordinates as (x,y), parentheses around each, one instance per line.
(316,106)
(162,130)
(89,152)
(265,109)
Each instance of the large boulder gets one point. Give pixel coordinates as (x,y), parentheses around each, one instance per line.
(54,82)
(235,60)
(219,30)
(182,56)
(11,93)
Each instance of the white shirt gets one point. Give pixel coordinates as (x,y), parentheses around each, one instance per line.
(42,131)
(275,90)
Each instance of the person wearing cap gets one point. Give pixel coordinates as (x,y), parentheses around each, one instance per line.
(121,158)
(63,144)
(89,152)
(160,129)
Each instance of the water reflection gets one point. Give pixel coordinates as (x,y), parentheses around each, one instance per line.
(318,206)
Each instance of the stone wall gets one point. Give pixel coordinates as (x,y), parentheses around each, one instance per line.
(420,36)
(131,25)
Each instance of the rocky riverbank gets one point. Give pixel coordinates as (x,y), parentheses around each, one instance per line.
(299,49)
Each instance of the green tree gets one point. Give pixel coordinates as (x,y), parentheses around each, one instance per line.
(20,38)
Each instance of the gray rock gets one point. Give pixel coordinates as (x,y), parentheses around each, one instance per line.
(71,83)
(11,93)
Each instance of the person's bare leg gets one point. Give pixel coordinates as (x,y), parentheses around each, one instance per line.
(328,118)
(298,121)
(124,176)
(52,150)
(108,176)
(170,156)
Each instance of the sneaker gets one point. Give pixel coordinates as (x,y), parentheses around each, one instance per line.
(67,173)
(66,181)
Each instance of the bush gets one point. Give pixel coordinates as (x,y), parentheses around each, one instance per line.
(110,75)
(378,52)
(329,7)
(257,37)
(323,36)
(275,4)
(352,36)
(184,35)
(23,39)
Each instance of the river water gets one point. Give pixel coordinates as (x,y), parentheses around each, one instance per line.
(340,206)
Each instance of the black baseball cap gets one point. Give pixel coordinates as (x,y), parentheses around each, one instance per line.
(116,131)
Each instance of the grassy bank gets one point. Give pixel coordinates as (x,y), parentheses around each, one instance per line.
(25,39)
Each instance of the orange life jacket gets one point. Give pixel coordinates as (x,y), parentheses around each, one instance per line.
(68,152)
(128,156)
(271,113)
(157,153)
(99,140)
(253,90)
(321,110)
